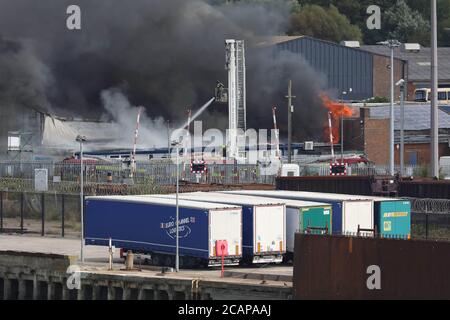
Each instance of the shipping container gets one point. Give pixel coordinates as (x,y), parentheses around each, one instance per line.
(148,226)
(392,216)
(305,217)
(348,214)
(263,227)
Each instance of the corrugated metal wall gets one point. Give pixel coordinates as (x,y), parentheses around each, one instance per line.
(344,67)
(360,185)
(330,267)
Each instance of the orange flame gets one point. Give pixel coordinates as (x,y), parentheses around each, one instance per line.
(337,111)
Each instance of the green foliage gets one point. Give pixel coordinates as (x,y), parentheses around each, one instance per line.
(323,23)
(405,24)
(378,100)
(409,21)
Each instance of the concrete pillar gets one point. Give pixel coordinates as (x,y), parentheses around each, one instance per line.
(50,289)
(65,292)
(6,289)
(141,293)
(35,288)
(111,293)
(95,290)
(80,293)
(170,293)
(22,289)
(126,293)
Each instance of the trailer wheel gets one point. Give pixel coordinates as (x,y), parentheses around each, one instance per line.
(169,261)
(156,260)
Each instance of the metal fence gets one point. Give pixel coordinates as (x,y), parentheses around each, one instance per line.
(100,177)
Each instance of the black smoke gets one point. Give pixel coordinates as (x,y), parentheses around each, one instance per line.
(163,54)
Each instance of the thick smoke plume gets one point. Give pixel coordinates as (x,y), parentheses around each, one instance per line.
(165,55)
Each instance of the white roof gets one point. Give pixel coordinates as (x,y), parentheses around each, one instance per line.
(288,202)
(165,202)
(304,195)
(227,198)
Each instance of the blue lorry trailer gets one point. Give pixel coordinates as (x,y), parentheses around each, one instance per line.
(147,226)
(263,227)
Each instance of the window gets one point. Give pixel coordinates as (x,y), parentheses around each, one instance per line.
(13,143)
(421,95)
(442,95)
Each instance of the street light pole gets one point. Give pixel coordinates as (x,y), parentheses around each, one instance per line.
(342,125)
(81,139)
(391,44)
(176,144)
(434,97)
(177,258)
(401,84)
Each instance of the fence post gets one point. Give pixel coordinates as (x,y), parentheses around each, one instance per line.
(426,225)
(62,214)
(21,212)
(43,214)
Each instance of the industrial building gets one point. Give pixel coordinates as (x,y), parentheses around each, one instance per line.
(366,73)
(33,134)
(419,64)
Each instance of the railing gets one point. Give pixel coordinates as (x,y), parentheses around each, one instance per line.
(115,176)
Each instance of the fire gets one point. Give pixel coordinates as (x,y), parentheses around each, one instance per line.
(337,111)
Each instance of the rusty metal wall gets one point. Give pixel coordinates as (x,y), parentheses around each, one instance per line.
(333,267)
(349,184)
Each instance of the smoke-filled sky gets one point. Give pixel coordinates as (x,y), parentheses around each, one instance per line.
(163,54)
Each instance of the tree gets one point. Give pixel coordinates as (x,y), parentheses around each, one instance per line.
(323,23)
(407,25)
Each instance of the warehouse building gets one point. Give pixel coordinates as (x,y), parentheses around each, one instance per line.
(419,64)
(32,133)
(366,73)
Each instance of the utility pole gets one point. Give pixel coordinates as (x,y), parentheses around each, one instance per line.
(434,98)
(290,111)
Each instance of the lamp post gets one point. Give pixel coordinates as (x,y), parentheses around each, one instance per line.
(434,125)
(342,124)
(401,84)
(176,144)
(81,139)
(391,44)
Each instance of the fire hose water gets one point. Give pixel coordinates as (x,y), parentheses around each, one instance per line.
(198,113)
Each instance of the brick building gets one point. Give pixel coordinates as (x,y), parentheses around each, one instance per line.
(370,133)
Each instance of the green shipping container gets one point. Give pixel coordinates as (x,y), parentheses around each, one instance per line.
(315,217)
(393,218)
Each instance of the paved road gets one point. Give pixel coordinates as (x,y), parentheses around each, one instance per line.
(98,256)
(54,245)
